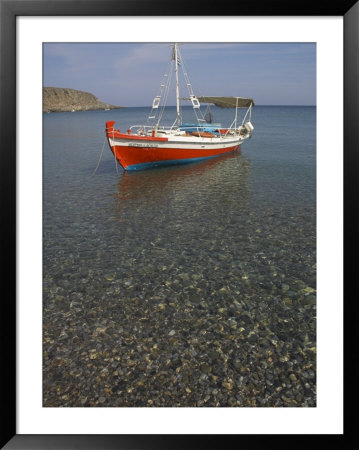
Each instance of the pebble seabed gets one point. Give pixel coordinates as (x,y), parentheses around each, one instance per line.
(184,309)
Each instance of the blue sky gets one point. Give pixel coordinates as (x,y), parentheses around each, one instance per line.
(127,74)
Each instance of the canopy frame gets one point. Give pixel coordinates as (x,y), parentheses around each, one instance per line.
(228,102)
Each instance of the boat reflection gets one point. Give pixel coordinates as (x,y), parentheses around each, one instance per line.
(213,176)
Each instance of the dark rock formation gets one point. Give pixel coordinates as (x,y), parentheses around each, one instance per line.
(64,99)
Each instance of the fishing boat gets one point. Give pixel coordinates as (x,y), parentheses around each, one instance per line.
(151,144)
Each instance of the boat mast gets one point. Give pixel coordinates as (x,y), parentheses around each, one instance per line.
(177,85)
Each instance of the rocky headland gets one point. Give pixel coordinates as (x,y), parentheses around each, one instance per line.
(64,99)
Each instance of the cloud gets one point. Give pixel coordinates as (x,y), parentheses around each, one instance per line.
(142,54)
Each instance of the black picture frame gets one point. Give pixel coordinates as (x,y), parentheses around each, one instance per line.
(9,10)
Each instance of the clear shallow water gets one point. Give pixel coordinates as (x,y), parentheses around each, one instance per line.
(190,285)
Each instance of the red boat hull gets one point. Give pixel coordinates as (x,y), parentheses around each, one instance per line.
(139,152)
(139,158)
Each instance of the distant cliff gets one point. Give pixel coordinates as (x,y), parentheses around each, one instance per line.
(64,99)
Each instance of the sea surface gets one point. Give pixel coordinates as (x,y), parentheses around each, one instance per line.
(183,286)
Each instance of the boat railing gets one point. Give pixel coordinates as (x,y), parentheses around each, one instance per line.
(147,130)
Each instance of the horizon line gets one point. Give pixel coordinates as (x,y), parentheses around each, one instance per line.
(189,106)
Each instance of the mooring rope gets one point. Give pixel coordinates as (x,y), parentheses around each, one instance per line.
(103,147)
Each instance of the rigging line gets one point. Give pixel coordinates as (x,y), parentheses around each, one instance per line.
(189,75)
(162,89)
(199,116)
(166,92)
(103,147)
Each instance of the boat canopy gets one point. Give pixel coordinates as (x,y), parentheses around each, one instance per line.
(228,102)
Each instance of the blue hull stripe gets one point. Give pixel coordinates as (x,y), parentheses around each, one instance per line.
(170,162)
